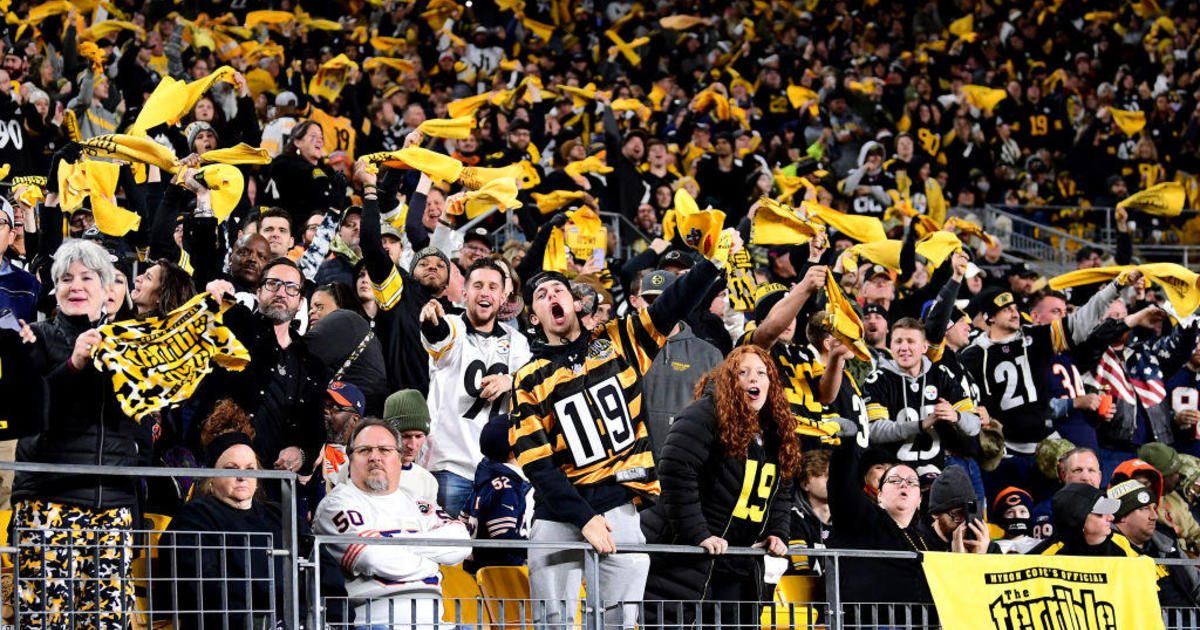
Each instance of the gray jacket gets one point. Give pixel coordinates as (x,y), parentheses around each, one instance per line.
(94,120)
(672,376)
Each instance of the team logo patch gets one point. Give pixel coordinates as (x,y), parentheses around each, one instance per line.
(631,474)
(600,350)
(1144,498)
(503,346)
(424,507)
(931,392)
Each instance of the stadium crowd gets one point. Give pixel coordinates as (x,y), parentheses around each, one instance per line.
(681,272)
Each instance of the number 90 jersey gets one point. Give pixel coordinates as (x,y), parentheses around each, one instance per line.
(458,364)
(581,410)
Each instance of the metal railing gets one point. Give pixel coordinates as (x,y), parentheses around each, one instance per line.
(1042,242)
(300,581)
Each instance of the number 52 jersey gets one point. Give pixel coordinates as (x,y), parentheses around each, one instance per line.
(458,363)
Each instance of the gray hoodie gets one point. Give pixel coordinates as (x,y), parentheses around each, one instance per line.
(900,395)
(669,382)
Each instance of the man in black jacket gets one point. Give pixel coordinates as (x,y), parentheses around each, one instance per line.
(1137,519)
(401,295)
(283,388)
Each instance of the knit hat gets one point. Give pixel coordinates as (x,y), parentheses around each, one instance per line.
(993,306)
(1008,498)
(1132,495)
(194,130)
(766,296)
(952,489)
(406,411)
(493,438)
(426,253)
(1162,457)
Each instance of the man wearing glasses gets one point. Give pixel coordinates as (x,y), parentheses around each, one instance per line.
(391,586)
(284,387)
(18,288)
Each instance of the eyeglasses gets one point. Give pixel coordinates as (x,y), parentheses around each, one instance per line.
(274,284)
(911,482)
(365,451)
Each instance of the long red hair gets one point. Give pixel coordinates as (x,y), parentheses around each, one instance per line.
(738,421)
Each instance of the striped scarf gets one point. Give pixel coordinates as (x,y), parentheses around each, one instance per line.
(1143,383)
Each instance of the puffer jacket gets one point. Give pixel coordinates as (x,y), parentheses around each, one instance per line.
(85,426)
(702,496)
(670,381)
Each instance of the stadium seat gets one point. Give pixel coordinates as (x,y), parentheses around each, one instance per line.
(153,525)
(460,591)
(510,584)
(800,590)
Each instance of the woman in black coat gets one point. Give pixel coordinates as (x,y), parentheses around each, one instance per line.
(726,472)
(214,568)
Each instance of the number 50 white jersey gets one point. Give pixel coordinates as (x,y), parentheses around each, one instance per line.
(457,413)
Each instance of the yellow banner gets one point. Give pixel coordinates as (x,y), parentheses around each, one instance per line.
(1002,592)
(159,362)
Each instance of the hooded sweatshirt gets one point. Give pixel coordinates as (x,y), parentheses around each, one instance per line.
(897,402)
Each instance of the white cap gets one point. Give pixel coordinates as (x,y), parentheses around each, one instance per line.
(7,209)
(972,270)
(286,97)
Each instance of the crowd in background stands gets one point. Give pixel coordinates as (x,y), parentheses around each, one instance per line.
(539,390)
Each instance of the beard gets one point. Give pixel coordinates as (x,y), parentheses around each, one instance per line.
(434,285)
(277,313)
(377,484)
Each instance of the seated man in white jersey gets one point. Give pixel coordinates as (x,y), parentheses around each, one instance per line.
(405,410)
(472,359)
(389,585)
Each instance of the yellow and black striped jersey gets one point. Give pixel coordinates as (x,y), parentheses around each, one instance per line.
(581,410)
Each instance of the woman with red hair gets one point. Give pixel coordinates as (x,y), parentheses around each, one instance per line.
(726,472)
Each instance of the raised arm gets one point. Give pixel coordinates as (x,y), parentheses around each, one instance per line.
(786,310)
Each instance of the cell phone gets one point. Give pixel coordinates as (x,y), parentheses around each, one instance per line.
(972,510)
(597,257)
(8,321)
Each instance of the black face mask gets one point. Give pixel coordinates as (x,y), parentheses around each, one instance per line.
(1014,527)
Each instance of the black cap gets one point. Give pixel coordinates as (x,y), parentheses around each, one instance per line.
(874,307)
(1022,270)
(1072,505)
(676,258)
(1086,252)
(542,278)
(877,270)
(479,234)
(517,124)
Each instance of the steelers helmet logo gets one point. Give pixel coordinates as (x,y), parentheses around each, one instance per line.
(657,280)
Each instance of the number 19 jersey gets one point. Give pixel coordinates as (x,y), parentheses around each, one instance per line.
(580,408)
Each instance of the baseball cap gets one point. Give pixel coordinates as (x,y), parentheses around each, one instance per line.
(1132,494)
(1075,501)
(874,307)
(1164,458)
(878,270)
(387,229)
(676,258)
(1048,452)
(656,282)
(478,234)
(972,270)
(286,98)
(347,395)
(1022,270)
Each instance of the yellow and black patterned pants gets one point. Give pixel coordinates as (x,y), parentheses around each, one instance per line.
(74,566)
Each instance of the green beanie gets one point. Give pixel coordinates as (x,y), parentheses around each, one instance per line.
(406,411)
